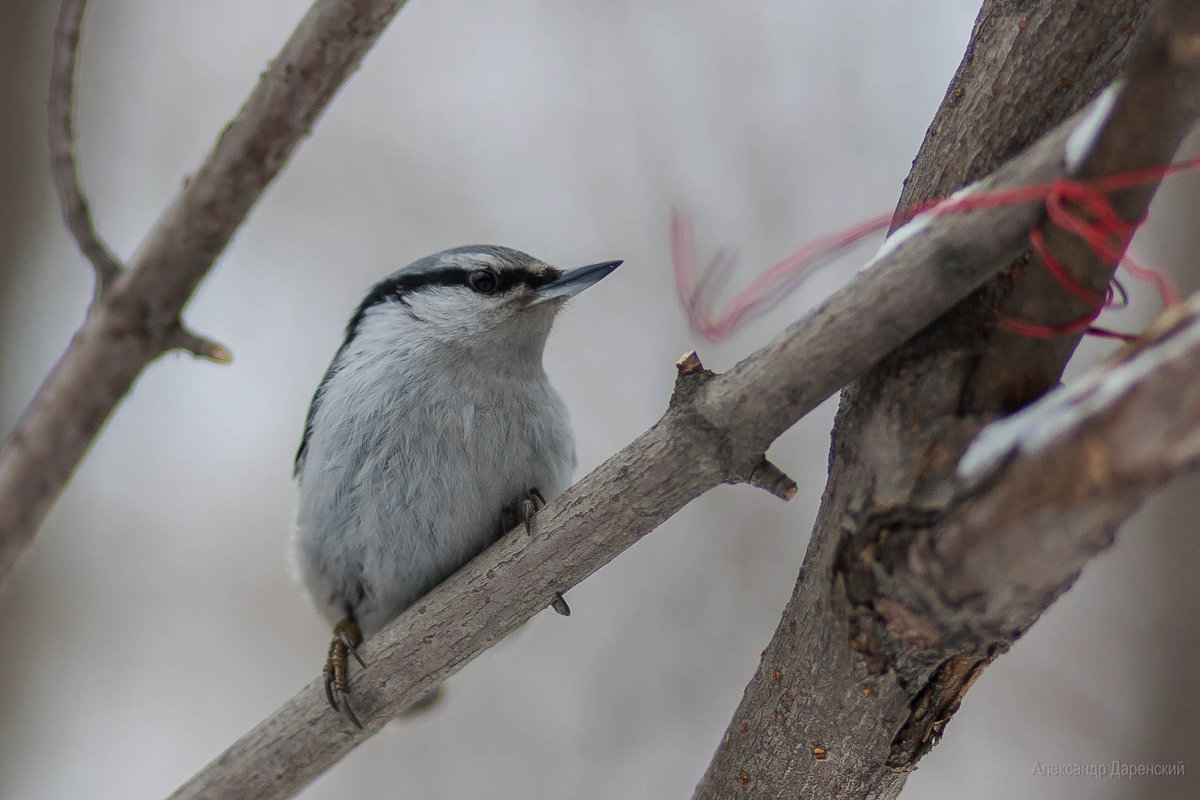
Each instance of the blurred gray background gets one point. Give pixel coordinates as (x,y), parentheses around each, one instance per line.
(155,620)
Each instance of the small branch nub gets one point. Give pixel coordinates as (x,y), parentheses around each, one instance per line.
(202,347)
(770,478)
(689,364)
(690,376)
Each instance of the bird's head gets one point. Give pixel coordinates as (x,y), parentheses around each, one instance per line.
(485,299)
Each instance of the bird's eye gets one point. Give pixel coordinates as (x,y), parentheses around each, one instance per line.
(482,281)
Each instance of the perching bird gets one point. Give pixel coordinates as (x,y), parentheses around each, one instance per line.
(434,431)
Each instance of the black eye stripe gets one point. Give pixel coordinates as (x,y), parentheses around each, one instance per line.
(400,286)
(506,279)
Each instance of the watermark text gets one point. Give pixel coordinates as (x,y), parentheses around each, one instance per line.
(1112,769)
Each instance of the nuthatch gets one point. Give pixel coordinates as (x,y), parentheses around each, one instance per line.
(433,432)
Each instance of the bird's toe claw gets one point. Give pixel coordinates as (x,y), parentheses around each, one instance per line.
(329,688)
(346,638)
(347,710)
(527,512)
(559,604)
(351,646)
(533,502)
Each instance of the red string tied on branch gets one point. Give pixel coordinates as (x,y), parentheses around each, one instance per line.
(1079,207)
(1085,211)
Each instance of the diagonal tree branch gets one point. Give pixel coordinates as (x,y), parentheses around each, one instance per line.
(137,319)
(715,430)
(859,681)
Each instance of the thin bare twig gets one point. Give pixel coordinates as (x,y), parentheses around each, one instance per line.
(75,210)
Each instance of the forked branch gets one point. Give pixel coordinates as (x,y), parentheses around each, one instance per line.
(136,316)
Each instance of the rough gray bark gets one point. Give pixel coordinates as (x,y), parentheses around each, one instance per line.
(138,317)
(715,430)
(860,679)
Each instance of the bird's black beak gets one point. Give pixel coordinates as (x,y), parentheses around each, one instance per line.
(573,281)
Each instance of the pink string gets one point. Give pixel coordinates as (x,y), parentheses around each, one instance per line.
(1082,208)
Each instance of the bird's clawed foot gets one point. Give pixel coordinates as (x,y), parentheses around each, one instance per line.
(346,639)
(522,514)
(533,502)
